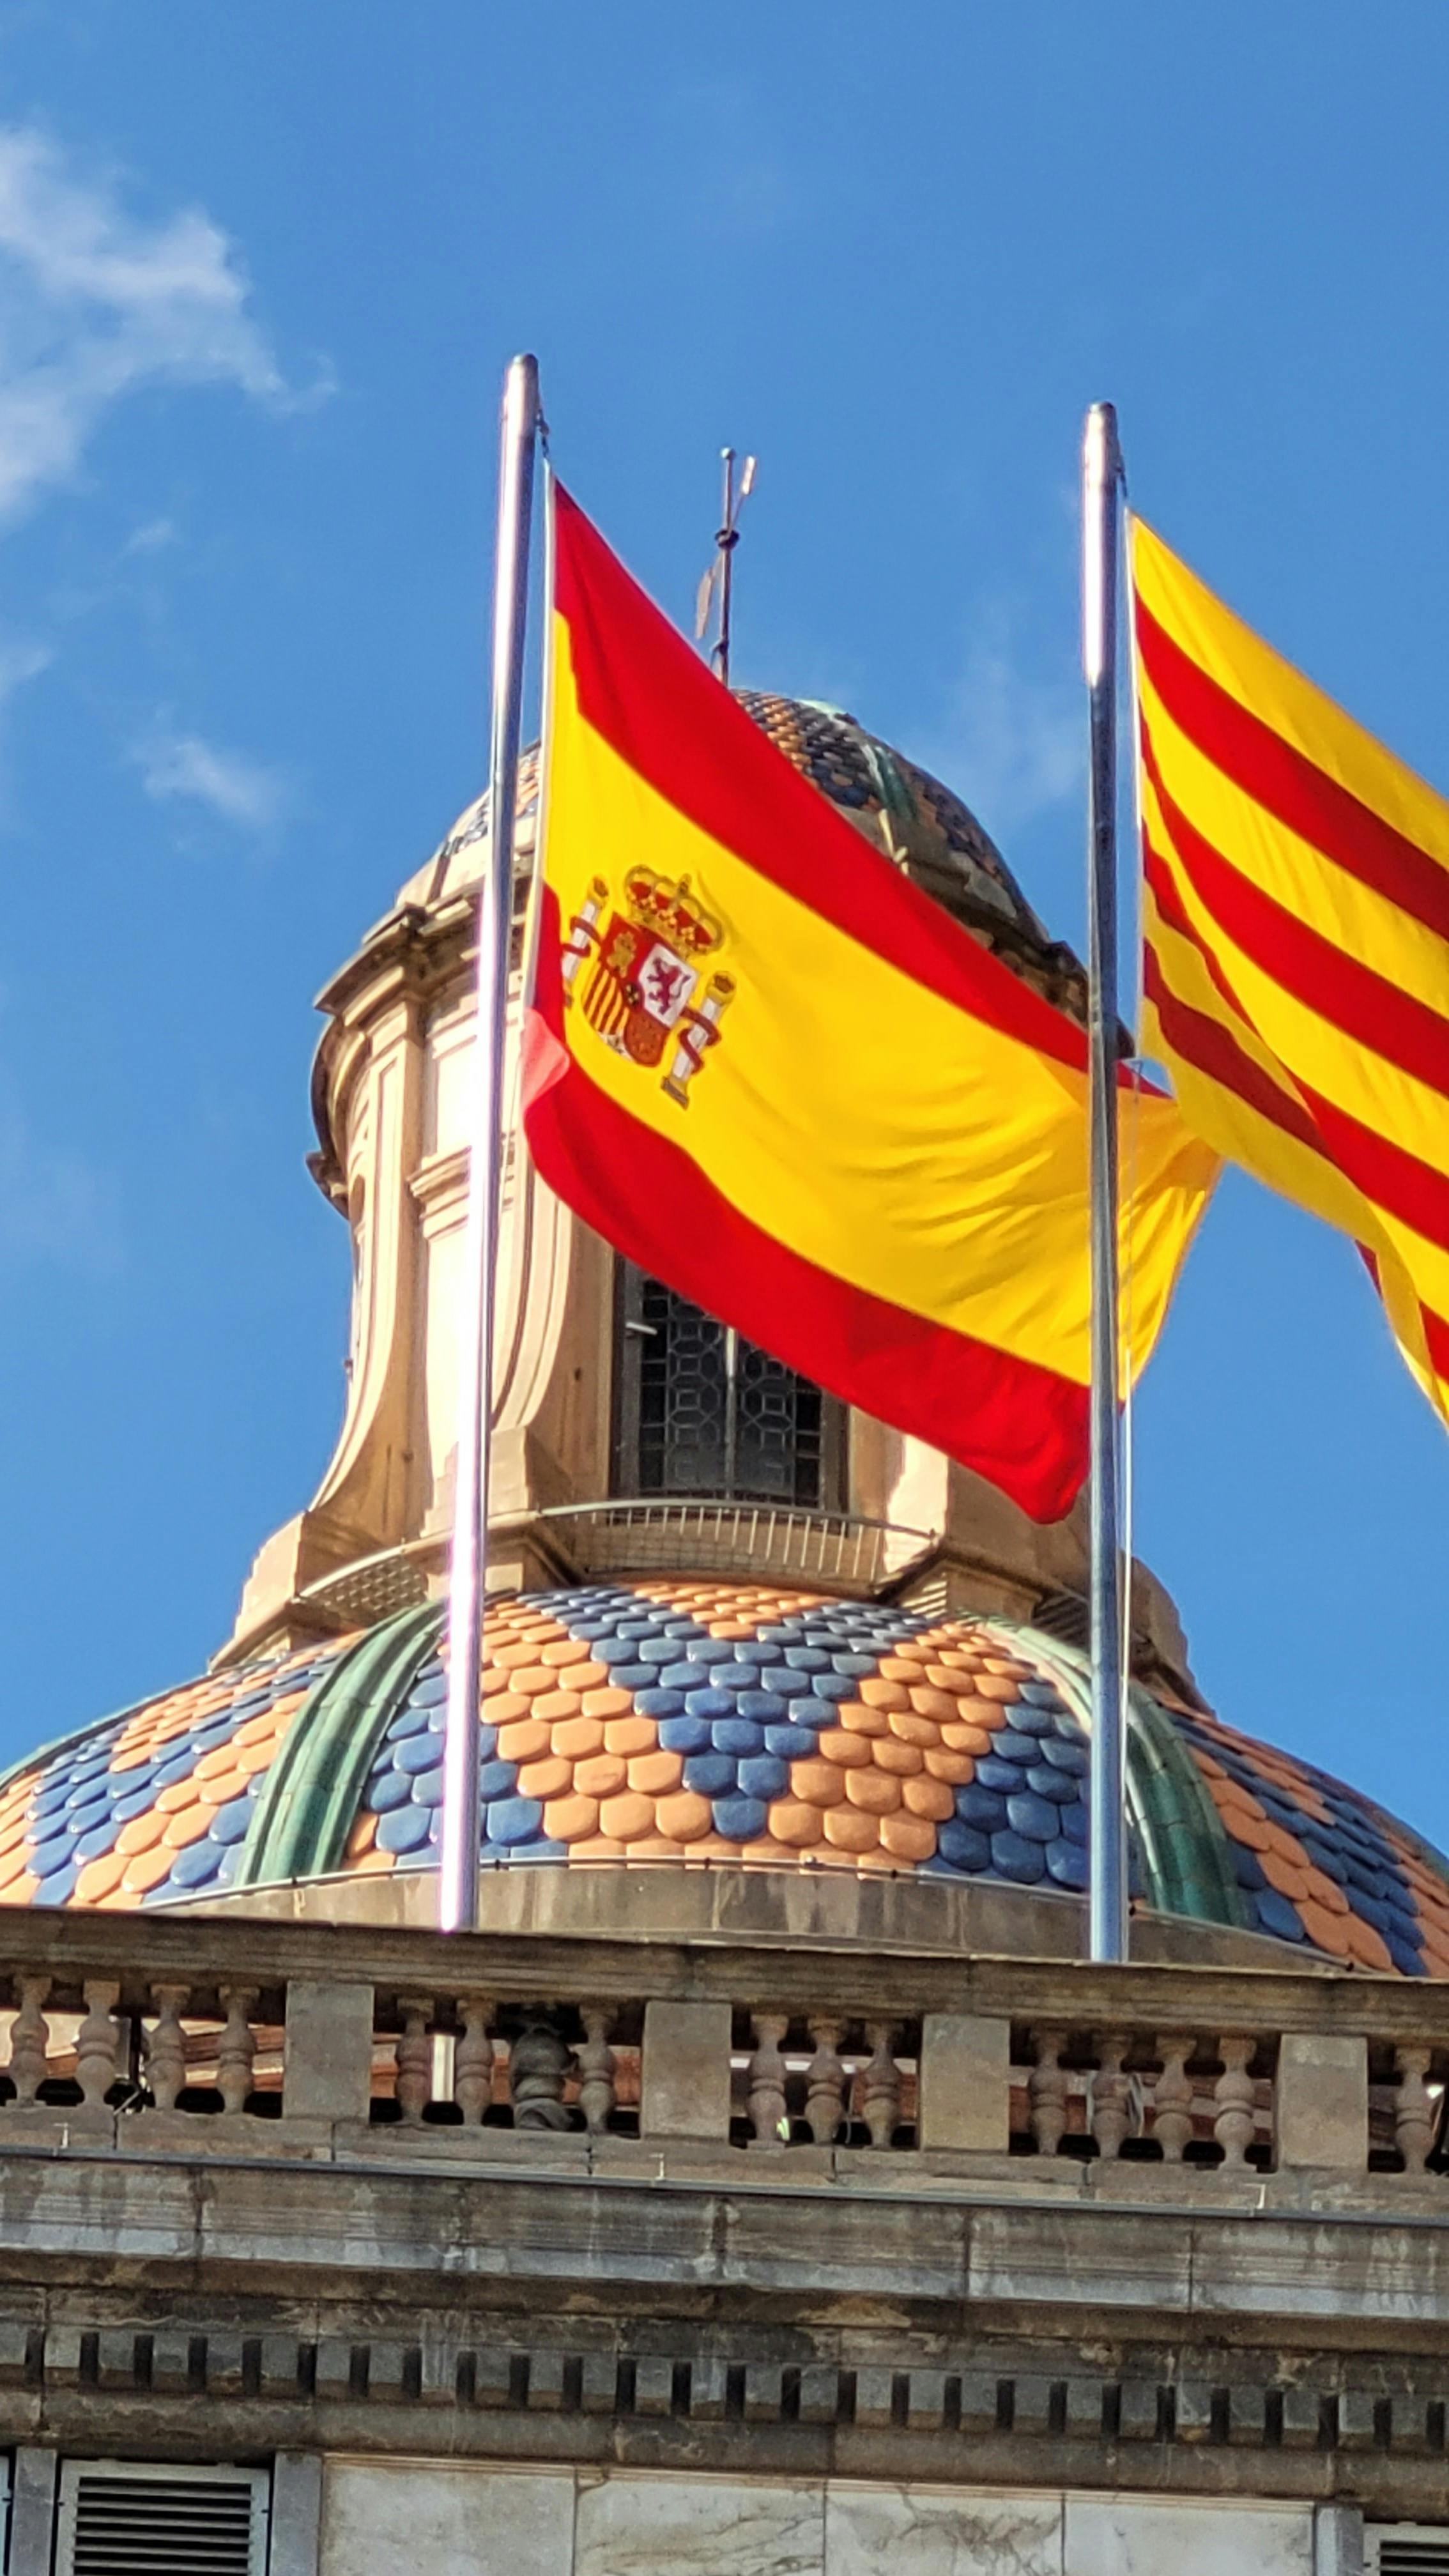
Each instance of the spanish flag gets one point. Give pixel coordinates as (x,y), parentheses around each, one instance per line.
(772,1072)
(1296,938)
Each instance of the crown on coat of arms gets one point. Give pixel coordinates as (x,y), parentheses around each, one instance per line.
(666,906)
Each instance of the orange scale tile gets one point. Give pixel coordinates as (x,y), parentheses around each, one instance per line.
(262,1729)
(825,1856)
(1436,1956)
(851,1752)
(192,1827)
(363,1838)
(216,1764)
(908,1726)
(958,1768)
(1365,1944)
(656,1773)
(966,1739)
(908,1837)
(575,1737)
(600,1775)
(1207,1763)
(513,1658)
(145,1870)
(629,1735)
(142,1833)
(570,1819)
(629,1816)
(12,1836)
(857,1719)
(1250,1831)
(817,1783)
(598,1847)
(732,1627)
(795,1823)
(874,1792)
(902,1760)
(685,1816)
(523,1741)
(18,1886)
(929,1701)
(1287,1845)
(877,1693)
(493,1678)
(608,1703)
(998,1687)
(928,1797)
(548,1778)
(1289,1877)
(375,1864)
(588,1677)
(1325,1892)
(250,1759)
(176,1795)
(531,1679)
(1326,1931)
(904,1662)
(656,1847)
(99,1877)
(509,1705)
(565,1650)
(551,1706)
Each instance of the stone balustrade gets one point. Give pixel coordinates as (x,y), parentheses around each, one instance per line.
(125,2023)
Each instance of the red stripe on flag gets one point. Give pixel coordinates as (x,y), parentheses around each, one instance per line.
(658,706)
(1211,1049)
(1358,1002)
(1021,1425)
(1290,785)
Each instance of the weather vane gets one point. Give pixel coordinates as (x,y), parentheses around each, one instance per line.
(718,577)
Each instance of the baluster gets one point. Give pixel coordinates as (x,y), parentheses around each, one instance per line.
(413,2082)
(166,2046)
(95,2047)
(236,2047)
(1111,2096)
(825,2081)
(30,2038)
(1172,2098)
(473,2057)
(1234,2123)
(596,2070)
(880,2084)
(1046,2091)
(767,2080)
(537,2065)
(1414,2109)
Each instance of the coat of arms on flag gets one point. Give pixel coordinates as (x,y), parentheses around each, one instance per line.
(645,989)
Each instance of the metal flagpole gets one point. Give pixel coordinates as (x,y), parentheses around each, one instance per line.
(1101,487)
(458,1858)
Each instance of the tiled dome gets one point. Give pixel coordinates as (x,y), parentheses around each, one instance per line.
(675,1722)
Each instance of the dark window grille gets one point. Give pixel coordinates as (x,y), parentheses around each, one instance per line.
(701,1411)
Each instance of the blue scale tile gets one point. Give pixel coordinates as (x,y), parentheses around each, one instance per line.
(993,1773)
(1035,1818)
(1041,1695)
(510,1820)
(741,1820)
(1247,1869)
(713,1650)
(658,1650)
(497,1779)
(387,1794)
(779,1677)
(855,1667)
(681,1734)
(1008,1744)
(763,1775)
(230,1823)
(1014,1857)
(84,1817)
(659,1703)
(1074,1822)
(963,1846)
(177,1766)
(1059,1786)
(58,1887)
(1063,1755)
(56,1853)
(790,1742)
(689,1675)
(737,1735)
(710,1703)
(420,1753)
(1277,1916)
(197,1866)
(430,1691)
(633,1676)
(807,1659)
(980,1806)
(1407,1957)
(428,1787)
(409,1723)
(833,1686)
(405,1830)
(710,1775)
(761,1704)
(811,1713)
(100,1840)
(1033,1721)
(1066,1863)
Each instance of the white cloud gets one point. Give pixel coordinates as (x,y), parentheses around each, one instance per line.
(1014,742)
(242,791)
(96,301)
(152,538)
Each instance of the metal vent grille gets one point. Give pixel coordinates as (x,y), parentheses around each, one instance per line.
(131,2518)
(1406,2549)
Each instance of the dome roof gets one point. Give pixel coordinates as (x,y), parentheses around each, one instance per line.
(677,1721)
(906,812)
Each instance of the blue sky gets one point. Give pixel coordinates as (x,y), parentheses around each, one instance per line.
(259,274)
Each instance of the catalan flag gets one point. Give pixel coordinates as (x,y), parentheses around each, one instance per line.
(773,1073)
(1296,942)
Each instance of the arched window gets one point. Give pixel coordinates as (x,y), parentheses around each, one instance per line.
(700,1411)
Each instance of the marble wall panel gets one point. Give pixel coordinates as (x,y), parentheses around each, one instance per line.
(682,2526)
(1130,2536)
(918,2531)
(428,2520)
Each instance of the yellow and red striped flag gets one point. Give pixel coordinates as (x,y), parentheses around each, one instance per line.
(772,1072)
(1296,942)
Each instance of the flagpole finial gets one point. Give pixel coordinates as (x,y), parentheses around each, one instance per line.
(717,586)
